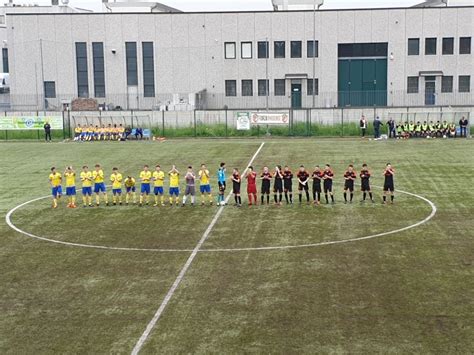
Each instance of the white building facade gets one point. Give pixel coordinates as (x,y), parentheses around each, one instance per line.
(274,59)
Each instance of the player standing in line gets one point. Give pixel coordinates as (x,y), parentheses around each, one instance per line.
(130,188)
(99,186)
(278,185)
(303,183)
(365,183)
(221,179)
(288,184)
(317,177)
(174,185)
(328,176)
(388,186)
(55,179)
(116,179)
(266,178)
(190,178)
(145,189)
(349,178)
(204,187)
(86,178)
(159,179)
(251,177)
(70,176)
(236,182)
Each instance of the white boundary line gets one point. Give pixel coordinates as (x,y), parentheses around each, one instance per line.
(283,247)
(159,312)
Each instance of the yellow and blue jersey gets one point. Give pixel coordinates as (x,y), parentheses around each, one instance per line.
(86,178)
(70,179)
(159,177)
(145,176)
(55,179)
(174,179)
(116,181)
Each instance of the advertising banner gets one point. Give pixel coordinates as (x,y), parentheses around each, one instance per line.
(259,118)
(30,122)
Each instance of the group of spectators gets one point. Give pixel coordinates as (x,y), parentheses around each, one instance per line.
(105,133)
(416,130)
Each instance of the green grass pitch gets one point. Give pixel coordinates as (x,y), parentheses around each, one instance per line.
(409,292)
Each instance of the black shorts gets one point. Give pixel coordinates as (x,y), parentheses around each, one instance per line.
(317,187)
(236,187)
(349,185)
(288,186)
(278,186)
(365,186)
(388,187)
(222,186)
(265,187)
(302,187)
(328,186)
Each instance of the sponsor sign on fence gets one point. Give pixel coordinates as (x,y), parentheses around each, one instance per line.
(259,118)
(30,122)
(243,121)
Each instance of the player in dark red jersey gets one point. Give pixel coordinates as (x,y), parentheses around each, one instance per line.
(288,184)
(236,181)
(266,177)
(349,178)
(317,177)
(328,176)
(278,185)
(251,177)
(388,186)
(365,183)
(303,183)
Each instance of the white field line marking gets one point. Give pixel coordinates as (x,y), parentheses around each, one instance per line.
(169,295)
(432,214)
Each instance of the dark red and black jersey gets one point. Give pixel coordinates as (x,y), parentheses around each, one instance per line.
(328,174)
(287,175)
(388,172)
(266,176)
(317,175)
(350,175)
(364,174)
(236,178)
(278,176)
(302,175)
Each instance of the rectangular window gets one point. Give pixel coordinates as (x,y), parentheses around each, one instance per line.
(413,46)
(6,68)
(230,88)
(247,88)
(263,87)
(280,87)
(132,65)
(82,70)
(464,83)
(448,46)
(465,45)
(279,49)
(413,84)
(263,50)
(98,67)
(246,50)
(312,85)
(148,69)
(229,50)
(312,49)
(49,89)
(296,51)
(447,84)
(347,50)
(430,46)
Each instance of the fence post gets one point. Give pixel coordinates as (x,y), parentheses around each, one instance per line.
(131,114)
(226,134)
(69,121)
(194,118)
(342,122)
(64,127)
(163,122)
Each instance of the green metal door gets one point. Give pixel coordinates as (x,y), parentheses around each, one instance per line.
(295,95)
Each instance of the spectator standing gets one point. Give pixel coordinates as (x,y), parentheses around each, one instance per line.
(391,128)
(463,123)
(47,131)
(377,125)
(363,125)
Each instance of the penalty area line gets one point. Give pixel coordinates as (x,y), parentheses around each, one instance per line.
(176,283)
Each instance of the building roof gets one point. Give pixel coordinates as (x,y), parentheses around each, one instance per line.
(148,6)
(445,3)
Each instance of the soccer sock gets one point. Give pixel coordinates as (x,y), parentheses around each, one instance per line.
(236,199)
(120,198)
(90,199)
(255,198)
(134,197)
(291,198)
(147,199)
(307,196)
(352,196)
(84,200)
(250,198)
(300,196)
(156,199)
(141,199)
(106,198)
(268,199)
(127,198)
(275,198)
(332,198)
(210,198)
(345,196)
(319,196)
(97,199)
(262,198)
(364,196)
(114,198)
(370,194)
(184,199)
(286,197)
(314,195)
(193,199)
(392,198)
(280,197)
(326,196)
(240,200)
(384,198)
(171,200)
(55,203)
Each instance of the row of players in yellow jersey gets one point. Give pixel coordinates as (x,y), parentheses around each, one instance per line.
(93,182)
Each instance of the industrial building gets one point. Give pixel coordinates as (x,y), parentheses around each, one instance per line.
(300,55)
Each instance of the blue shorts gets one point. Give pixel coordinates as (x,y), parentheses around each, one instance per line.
(57,191)
(99,187)
(117,191)
(145,189)
(131,189)
(174,191)
(87,190)
(158,190)
(205,189)
(71,191)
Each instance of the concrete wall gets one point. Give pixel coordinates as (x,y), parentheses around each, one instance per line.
(189,50)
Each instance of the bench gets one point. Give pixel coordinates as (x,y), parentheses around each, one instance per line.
(146,133)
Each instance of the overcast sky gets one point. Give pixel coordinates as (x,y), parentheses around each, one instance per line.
(230,5)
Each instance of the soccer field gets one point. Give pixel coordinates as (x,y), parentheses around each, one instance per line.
(355,278)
